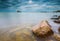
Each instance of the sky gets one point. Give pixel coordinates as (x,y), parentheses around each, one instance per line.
(29,5)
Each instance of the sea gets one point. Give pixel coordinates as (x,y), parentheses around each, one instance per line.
(12,19)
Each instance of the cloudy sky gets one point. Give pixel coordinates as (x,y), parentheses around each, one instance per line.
(29,5)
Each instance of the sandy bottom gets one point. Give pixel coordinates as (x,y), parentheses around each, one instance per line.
(21,33)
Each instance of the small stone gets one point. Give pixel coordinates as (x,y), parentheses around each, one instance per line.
(43,29)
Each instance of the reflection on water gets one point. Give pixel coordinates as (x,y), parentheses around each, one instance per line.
(13,19)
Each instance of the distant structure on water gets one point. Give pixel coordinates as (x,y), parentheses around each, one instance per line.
(18,11)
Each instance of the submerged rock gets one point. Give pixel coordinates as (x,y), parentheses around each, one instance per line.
(43,29)
(23,34)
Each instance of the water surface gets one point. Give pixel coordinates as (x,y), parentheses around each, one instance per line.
(8,20)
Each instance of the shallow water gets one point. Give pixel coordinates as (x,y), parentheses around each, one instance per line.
(13,19)
(11,24)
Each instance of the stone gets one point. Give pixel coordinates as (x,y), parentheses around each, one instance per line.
(42,29)
(49,40)
(57,37)
(59,29)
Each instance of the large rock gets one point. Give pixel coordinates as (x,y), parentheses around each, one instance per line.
(43,29)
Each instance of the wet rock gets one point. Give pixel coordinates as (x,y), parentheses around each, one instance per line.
(57,21)
(59,29)
(57,37)
(43,29)
(49,40)
(24,34)
(20,34)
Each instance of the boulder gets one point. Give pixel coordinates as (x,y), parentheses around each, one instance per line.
(42,29)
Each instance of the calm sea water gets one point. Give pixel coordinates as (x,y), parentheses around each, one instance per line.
(13,19)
